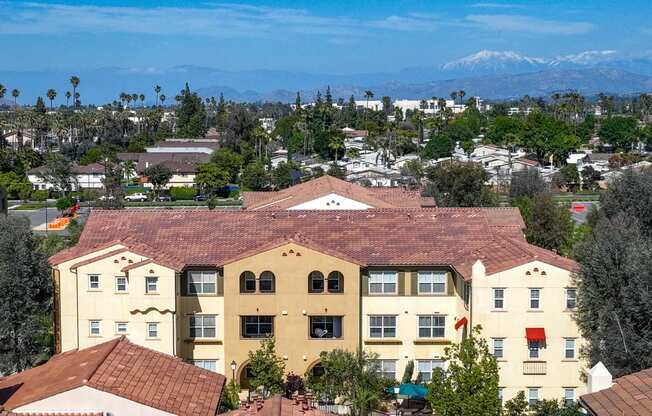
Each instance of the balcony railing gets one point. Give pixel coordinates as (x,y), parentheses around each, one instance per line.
(534,367)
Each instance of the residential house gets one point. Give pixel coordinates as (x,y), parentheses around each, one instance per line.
(427,106)
(114,377)
(85,177)
(207,146)
(629,395)
(182,164)
(402,282)
(183,174)
(19,139)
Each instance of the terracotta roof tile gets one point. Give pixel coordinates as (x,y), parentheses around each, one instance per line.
(124,369)
(630,395)
(278,406)
(6,413)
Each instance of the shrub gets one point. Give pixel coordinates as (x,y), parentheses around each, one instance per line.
(182,193)
(40,195)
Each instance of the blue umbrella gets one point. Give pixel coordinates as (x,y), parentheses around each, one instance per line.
(411,391)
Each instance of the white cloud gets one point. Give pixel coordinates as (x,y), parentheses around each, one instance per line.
(528,24)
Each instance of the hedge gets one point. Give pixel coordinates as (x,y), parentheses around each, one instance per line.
(180,193)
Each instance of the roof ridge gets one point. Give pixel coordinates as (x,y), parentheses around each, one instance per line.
(106,355)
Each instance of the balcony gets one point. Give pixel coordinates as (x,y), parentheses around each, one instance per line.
(534,367)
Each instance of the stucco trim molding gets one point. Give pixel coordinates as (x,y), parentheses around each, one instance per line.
(151,309)
(383,342)
(432,342)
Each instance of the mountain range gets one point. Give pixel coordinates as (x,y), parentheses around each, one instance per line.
(488,74)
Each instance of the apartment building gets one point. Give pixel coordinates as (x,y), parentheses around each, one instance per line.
(402,282)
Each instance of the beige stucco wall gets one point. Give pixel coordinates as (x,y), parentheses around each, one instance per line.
(206,349)
(291,305)
(511,322)
(87,399)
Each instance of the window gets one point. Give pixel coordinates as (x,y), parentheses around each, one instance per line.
(432,283)
(571,298)
(532,395)
(498,347)
(432,326)
(569,396)
(335,282)
(535,297)
(202,282)
(94,282)
(501,394)
(151,284)
(210,365)
(499,298)
(152,330)
(121,284)
(202,326)
(425,368)
(247,282)
(121,328)
(315,282)
(382,326)
(569,348)
(382,282)
(257,326)
(266,283)
(533,346)
(94,328)
(385,368)
(325,327)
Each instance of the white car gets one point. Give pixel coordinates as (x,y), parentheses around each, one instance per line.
(137,197)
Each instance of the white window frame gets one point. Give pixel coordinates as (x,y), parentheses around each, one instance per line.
(384,279)
(433,280)
(432,327)
(574,297)
(117,284)
(149,330)
(202,282)
(117,328)
(573,349)
(431,364)
(568,401)
(384,367)
(91,325)
(383,326)
(147,282)
(532,399)
(90,283)
(533,298)
(498,299)
(203,364)
(501,348)
(201,327)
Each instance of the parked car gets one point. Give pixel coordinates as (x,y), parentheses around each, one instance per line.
(105,198)
(137,197)
(201,197)
(163,198)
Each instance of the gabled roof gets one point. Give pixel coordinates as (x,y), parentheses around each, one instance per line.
(124,369)
(630,395)
(400,237)
(326,185)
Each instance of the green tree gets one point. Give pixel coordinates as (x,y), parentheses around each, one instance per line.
(158,175)
(191,115)
(255,177)
(228,160)
(16,186)
(548,224)
(620,132)
(51,94)
(58,171)
(284,174)
(527,182)
(230,397)
(336,171)
(500,129)
(409,371)
(517,406)
(469,386)
(210,177)
(267,369)
(567,177)
(25,298)
(64,203)
(459,184)
(438,146)
(555,408)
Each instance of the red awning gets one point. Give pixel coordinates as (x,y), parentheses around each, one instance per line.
(460,323)
(535,334)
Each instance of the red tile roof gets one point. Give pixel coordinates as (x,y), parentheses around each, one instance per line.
(124,369)
(6,413)
(630,395)
(437,236)
(278,406)
(325,185)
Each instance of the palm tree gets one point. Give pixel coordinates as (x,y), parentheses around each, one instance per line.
(157,90)
(52,94)
(3,90)
(68,95)
(367,94)
(141,97)
(15,93)
(461,94)
(134,97)
(162,98)
(74,80)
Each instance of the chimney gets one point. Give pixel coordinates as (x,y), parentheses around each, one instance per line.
(598,378)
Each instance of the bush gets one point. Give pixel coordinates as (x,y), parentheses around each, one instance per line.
(40,195)
(65,202)
(182,193)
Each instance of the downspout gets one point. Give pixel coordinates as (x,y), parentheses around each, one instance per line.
(177,276)
(77,303)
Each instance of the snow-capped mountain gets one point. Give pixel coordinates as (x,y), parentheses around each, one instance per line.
(488,62)
(585,58)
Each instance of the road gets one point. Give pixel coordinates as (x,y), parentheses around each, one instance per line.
(37,217)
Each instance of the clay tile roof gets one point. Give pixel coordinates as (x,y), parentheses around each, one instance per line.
(124,369)
(325,185)
(6,413)
(630,395)
(278,406)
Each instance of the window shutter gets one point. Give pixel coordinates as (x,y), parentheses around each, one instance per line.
(414,283)
(450,284)
(364,290)
(184,283)
(220,284)
(401,283)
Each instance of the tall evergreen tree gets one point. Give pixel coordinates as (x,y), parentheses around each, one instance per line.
(191,115)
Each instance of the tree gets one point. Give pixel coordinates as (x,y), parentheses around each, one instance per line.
(228,160)
(548,224)
(74,81)
(555,408)
(58,171)
(459,184)
(526,182)
(439,146)
(336,171)
(25,298)
(17,186)
(294,384)
(51,94)
(255,177)
(632,195)
(267,369)
(567,177)
(590,178)
(157,90)
(469,386)
(517,406)
(502,126)
(158,175)
(350,377)
(286,174)
(211,177)
(409,371)
(620,132)
(191,115)
(230,397)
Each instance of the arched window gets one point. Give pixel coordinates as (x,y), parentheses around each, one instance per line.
(315,282)
(247,282)
(266,284)
(335,282)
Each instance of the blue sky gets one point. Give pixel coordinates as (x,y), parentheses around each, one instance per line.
(335,36)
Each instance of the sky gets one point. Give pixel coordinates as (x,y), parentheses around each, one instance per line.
(334,36)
